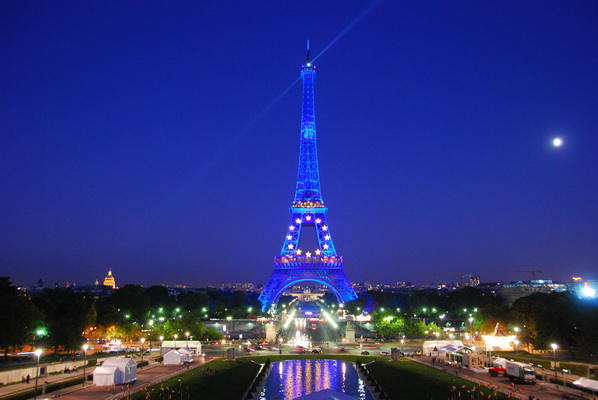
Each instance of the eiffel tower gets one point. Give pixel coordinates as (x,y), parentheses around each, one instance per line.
(294,265)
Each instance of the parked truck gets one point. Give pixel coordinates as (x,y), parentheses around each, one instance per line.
(519,372)
(515,371)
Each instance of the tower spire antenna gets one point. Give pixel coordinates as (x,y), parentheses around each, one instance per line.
(308,59)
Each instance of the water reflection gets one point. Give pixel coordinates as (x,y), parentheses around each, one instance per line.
(295,378)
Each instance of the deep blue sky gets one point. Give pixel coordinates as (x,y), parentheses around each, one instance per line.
(134,137)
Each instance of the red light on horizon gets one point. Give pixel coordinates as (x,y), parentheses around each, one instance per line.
(577,278)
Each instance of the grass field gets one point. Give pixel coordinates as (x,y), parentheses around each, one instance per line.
(405,379)
(229,381)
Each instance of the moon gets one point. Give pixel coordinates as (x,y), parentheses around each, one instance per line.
(557,142)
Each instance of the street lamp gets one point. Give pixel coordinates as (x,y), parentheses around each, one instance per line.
(85,347)
(471,329)
(516,345)
(554,347)
(38,353)
(175,336)
(142,342)
(187,334)
(161,345)
(402,348)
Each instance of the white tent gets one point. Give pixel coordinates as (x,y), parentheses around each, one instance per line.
(193,345)
(105,376)
(115,371)
(187,354)
(174,357)
(435,347)
(587,384)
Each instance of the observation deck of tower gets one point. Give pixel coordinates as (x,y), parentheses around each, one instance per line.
(322,265)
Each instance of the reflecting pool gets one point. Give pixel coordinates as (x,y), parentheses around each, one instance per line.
(295,378)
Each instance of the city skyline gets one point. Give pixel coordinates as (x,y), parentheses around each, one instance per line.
(161,141)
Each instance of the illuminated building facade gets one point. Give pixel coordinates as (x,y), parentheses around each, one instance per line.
(510,292)
(109,280)
(294,265)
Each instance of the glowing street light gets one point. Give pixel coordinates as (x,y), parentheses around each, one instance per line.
(85,347)
(161,345)
(175,336)
(38,353)
(402,349)
(471,328)
(516,345)
(554,347)
(142,342)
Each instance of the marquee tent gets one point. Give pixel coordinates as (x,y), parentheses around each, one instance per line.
(115,371)
(174,357)
(187,354)
(587,384)
(193,345)
(105,376)
(499,340)
(436,346)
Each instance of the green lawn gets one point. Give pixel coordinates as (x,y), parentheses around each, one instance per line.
(230,381)
(405,379)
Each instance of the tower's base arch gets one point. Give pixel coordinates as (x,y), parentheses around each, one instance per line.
(286,274)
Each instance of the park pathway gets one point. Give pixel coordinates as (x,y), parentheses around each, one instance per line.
(150,375)
(542,390)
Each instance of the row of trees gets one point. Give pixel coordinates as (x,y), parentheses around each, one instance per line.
(538,320)
(63,319)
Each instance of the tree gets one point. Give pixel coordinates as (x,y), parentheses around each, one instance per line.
(158,297)
(559,321)
(108,315)
(193,301)
(131,300)
(17,316)
(526,312)
(67,315)
(491,314)
(390,327)
(213,334)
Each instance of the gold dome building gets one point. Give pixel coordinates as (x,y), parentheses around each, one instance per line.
(109,280)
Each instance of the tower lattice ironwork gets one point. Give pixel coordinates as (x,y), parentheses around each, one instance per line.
(294,265)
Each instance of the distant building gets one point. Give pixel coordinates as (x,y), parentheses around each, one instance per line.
(510,292)
(109,280)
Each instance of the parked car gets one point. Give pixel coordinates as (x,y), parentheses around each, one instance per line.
(385,353)
(316,351)
(365,353)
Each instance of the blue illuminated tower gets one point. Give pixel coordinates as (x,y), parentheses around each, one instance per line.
(294,264)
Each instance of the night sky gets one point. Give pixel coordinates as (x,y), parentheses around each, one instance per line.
(156,138)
